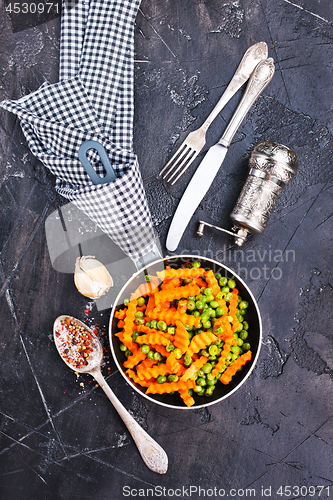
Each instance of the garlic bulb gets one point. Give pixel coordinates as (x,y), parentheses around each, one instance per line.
(91,277)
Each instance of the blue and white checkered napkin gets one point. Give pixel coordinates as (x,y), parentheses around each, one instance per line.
(93,101)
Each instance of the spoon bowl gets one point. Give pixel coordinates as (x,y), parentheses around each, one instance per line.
(81,350)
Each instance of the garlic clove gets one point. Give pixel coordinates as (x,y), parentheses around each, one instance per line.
(91,277)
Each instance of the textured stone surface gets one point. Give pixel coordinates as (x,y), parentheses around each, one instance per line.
(59,436)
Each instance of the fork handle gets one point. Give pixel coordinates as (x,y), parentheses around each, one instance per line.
(259,80)
(251,58)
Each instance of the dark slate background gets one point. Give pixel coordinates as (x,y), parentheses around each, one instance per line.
(60,437)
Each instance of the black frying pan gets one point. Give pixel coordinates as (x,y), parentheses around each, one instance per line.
(252,317)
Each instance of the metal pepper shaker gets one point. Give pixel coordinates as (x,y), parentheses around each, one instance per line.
(272,166)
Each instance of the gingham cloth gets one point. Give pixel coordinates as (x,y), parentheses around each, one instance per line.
(93,101)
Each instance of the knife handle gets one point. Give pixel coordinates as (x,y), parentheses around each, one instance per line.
(251,58)
(259,80)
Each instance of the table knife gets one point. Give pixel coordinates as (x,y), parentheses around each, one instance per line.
(212,161)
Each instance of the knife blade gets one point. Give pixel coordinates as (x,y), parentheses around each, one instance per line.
(212,161)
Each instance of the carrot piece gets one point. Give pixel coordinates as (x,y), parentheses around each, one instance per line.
(233,369)
(174,365)
(176,293)
(136,357)
(194,368)
(186,397)
(171,283)
(153,338)
(212,282)
(200,282)
(187,273)
(137,380)
(120,314)
(146,288)
(161,349)
(121,324)
(171,316)
(181,337)
(224,354)
(167,387)
(182,307)
(200,341)
(151,304)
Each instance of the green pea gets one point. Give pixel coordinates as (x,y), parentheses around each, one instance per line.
(149,278)
(139,314)
(223,281)
(201,373)
(161,325)
(208,291)
(150,355)
(240,342)
(153,324)
(218,276)
(243,304)
(128,353)
(219,312)
(148,323)
(187,360)
(141,301)
(145,349)
(135,335)
(190,305)
(158,356)
(196,314)
(228,296)
(231,283)
(177,353)
(225,289)
(230,318)
(201,381)
(219,296)
(161,379)
(173,378)
(246,346)
(204,352)
(202,392)
(214,304)
(212,314)
(140,321)
(209,391)
(204,299)
(204,317)
(197,389)
(243,334)
(210,298)
(126,302)
(240,327)
(211,383)
(213,350)
(245,325)
(171,330)
(219,330)
(207,368)
(207,324)
(196,263)
(234,356)
(122,347)
(199,304)
(170,347)
(212,358)
(187,281)
(235,349)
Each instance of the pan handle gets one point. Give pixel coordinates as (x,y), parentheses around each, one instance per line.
(110,173)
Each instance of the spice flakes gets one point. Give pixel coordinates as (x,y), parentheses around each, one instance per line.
(76,345)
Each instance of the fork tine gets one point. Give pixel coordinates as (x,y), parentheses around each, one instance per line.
(184,153)
(186,160)
(193,157)
(172,159)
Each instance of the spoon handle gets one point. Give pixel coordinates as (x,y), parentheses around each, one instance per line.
(153,455)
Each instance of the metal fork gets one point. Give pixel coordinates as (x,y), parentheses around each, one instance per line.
(195,141)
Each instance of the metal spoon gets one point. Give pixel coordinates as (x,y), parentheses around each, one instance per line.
(153,455)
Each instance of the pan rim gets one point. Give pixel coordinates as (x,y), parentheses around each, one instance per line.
(120,368)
